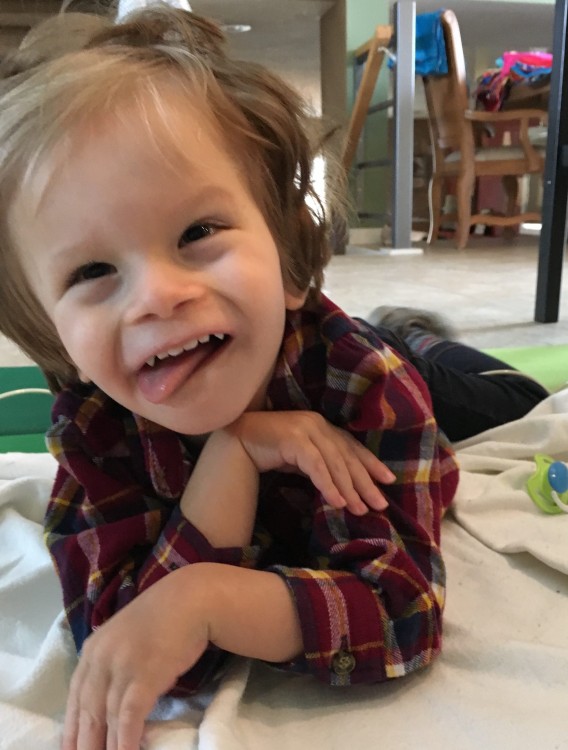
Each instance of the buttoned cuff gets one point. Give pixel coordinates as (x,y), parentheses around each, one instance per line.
(341,628)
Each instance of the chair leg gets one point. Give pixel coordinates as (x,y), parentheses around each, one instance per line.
(511,187)
(464,194)
(435,206)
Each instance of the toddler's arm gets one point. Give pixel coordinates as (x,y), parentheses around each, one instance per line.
(166,629)
(114,525)
(162,633)
(220,498)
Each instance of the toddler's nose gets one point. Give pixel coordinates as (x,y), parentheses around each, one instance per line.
(160,289)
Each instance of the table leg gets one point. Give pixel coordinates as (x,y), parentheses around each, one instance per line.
(555,192)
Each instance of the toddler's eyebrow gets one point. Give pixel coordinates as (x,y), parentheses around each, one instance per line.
(79,249)
(195,207)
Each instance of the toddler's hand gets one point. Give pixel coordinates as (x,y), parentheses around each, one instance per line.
(342,469)
(130,661)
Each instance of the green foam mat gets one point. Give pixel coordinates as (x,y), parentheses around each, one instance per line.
(547,364)
(23,443)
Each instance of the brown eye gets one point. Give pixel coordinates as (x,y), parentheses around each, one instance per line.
(196,232)
(90,271)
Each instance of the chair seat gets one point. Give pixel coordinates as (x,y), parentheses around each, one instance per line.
(538,135)
(495,153)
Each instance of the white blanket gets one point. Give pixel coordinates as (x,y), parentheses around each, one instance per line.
(501,681)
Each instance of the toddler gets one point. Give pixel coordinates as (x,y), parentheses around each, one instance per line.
(221,427)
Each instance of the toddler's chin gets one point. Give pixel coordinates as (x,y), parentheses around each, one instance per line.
(205,425)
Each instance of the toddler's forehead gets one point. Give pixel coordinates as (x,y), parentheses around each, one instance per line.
(169,128)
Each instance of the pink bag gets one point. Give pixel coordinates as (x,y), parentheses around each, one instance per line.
(534,59)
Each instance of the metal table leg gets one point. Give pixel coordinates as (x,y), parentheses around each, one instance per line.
(555,192)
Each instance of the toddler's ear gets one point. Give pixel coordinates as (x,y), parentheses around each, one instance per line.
(295,299)
(83,378)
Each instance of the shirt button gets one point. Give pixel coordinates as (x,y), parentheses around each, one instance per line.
(343,663)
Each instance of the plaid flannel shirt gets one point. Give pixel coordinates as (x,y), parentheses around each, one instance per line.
(369,590)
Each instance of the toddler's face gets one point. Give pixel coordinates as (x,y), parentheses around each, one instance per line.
(163,280)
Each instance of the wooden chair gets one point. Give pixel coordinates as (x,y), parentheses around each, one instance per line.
(455,132)
(373,53)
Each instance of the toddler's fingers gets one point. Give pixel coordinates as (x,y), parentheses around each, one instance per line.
(326,468)
(112,740)
(339,460)
(331,463)
(71,723)
(332,459)
(92,727)
(70,726)
(350,464)
(376,468)
(365,486)
(311,463)
(115,696)
(136,705)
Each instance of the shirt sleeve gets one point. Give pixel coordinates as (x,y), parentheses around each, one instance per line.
(111,535)
(372,608)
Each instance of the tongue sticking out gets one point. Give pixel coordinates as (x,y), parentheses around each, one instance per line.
(157,383)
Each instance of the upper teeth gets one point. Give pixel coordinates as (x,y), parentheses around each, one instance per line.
(185,348)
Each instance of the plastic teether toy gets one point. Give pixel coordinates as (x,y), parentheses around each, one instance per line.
(548,486)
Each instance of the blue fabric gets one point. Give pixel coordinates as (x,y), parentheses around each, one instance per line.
(431,56)
(430,45)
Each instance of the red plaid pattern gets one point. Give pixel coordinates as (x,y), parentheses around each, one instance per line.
(369,590)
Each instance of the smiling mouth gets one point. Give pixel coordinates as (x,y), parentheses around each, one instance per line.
(164,373)
(214,338)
